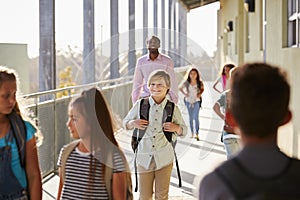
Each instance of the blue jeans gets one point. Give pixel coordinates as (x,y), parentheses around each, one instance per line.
(193,110)
(232,146)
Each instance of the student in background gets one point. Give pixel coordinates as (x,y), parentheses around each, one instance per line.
(20,176)
(223,79)
(192,88)
(231,140)
(259,105)
(97,151)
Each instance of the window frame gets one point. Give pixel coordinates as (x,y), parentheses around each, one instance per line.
(293,23)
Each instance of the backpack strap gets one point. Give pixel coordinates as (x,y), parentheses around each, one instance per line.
(138,134)
(167,117)
(108,174)
(19,133)
(144,114)
(65,154)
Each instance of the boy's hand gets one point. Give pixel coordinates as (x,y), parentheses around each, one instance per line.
(171,127)
(139,123)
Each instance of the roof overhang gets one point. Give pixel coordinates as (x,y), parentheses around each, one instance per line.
(191,4)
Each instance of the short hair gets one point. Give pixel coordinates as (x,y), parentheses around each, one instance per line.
(160,74)
(259,98)
(153,37)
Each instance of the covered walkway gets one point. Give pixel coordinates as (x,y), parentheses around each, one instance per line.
(196,158)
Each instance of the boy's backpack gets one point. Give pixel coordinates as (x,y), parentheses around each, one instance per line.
(108,170)
(138,134)
(19,133)
(244,185)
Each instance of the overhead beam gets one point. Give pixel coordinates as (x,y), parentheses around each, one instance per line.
(191,4)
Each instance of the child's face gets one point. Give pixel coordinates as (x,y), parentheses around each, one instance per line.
(193,75)
(71,124)
(7,97)
(158,88)
(79,123)
(226,70)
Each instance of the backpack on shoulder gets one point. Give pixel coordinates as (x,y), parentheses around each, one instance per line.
(19,133)
(244,185)
(138,134)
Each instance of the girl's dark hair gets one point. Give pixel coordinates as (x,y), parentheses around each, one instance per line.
(227,65)
(188,81)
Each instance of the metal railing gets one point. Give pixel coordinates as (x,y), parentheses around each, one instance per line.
(51,113)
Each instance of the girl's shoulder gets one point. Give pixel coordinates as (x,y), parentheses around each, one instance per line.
(29,126)
(30,130)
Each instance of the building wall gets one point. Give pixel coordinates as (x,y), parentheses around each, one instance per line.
(15,56)
(276,52)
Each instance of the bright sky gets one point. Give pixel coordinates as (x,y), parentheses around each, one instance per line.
(19,21)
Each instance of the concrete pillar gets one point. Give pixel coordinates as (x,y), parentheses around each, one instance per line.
(240,32)
(145,25)
(174,26)
(170,26)
(182,34)
(163,40)
(88,42)
(131,52)
(155,16)
(114,42)
(47,67)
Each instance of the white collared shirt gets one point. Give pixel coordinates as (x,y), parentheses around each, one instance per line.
(154,143)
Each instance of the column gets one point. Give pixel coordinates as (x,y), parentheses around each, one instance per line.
(155,16)
(131,51)
(47,67)
(182,34)
(145,25)
(163,40)
(88,42)
(114,41)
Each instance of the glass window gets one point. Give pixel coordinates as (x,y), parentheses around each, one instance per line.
(293,23)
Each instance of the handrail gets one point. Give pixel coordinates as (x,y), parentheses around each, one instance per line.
(48,92)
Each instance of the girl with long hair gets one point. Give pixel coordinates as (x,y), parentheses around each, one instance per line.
(20,176)
(96,151)
(192,88)
(223,79)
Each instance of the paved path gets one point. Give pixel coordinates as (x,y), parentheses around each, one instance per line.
(196,158)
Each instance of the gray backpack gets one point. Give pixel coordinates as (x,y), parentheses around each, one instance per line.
(244,185)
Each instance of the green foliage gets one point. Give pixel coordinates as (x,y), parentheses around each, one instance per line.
(65,80)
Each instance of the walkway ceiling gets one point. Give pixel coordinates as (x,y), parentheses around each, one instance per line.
(191,4)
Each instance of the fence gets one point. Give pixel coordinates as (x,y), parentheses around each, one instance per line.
(52,114)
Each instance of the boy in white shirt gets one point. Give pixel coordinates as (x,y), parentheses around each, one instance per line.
(155,154)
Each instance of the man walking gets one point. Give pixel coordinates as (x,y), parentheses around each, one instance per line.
(147,64)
